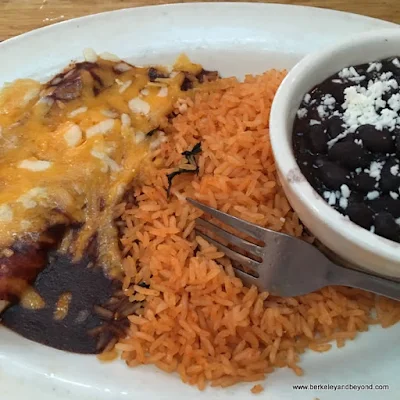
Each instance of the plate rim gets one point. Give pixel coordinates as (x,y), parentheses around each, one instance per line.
(43,30)
(172,6)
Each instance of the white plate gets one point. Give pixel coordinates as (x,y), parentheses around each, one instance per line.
(235,39)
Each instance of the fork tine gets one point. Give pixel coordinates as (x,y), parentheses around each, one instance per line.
(240,258)
(236,241)
(246,278)
(253,230)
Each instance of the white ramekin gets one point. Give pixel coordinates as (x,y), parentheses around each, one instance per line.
(348,240)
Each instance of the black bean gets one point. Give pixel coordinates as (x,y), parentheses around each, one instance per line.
(300,144)
(348,138)
(388,181)
(364,183)
(336,90)
(302,124)
(375,140)
(385,203)
(313,113)
(388,66)
(335,127)
(386,226)
(361,69)
(349,154)
(332,174)
(318,138)
(360,214)
(398,143)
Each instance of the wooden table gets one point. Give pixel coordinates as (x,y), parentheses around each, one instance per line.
(18,16)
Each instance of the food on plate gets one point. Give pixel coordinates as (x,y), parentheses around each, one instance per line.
(346,138)
(197,319)
(166,297)
(68,150)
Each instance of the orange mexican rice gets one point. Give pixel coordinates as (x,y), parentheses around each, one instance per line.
(198,320)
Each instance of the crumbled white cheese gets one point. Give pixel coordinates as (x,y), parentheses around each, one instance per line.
(77,111)
(372,195)
(322,111)
(332,199)
(108,162)
(358,142)
(6,213)
(375,169)
(394,195)
(161,138)
(358,170)
(372,229)
(90,55)
(110,114)
(374,66)
(145,92)
(357,79)
(30,95)
(326,194)
(362,105)
(307,98)
(345,190)
(46,103)
(73,136)
(394,102)
(385,76)
(30,198)
(163,92)
(139,137)
(101,128)
(347,73)
(344,73)
(396,62)
(125,86)
(109,57)
(301,113)
(137,105)
(337,138)
(394,170)
(35,165)
(125,120)
(329,101)
(121,189)
(380,103)
(122,67)
(343,202)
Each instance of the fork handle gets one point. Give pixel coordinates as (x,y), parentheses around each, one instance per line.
(361,280)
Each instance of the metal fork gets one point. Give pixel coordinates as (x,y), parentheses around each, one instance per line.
(288,266)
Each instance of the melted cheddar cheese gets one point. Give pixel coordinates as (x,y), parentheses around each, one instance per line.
(68,158)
